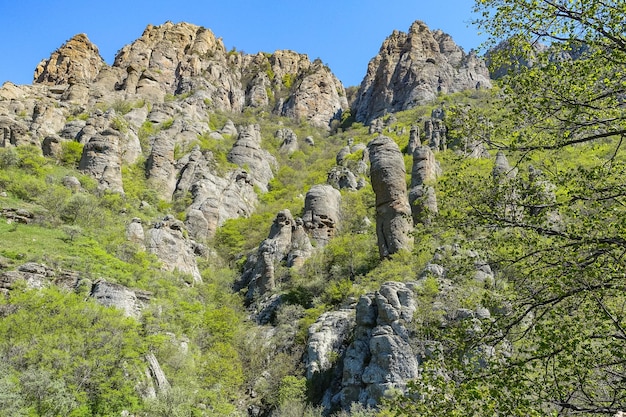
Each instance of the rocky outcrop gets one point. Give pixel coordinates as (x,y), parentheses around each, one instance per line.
(289,240)
(35,275)
(101,159)
(380,358)
(393,212)
(109,294)
(288,140)
(114,295)
(78,61)
(286,243)
(167,240)
(319,97)
(248,154)
(435,131)
(135,233)
(215,198)
(412,69)
(178,59)
(422,197)
(351,168)
(322,213)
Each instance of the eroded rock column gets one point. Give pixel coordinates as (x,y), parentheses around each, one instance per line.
(393,212)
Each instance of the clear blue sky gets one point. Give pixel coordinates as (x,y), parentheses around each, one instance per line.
(344,34)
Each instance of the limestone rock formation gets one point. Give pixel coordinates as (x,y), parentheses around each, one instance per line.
(286,242)
(175,251)
(215,198)
(77,61)
(247,152)
(393,212)
(435,131)
(327,337)
(380,358)
(322,213)
(422,197)
(318,89)
(178,59)
(351,167)
(135,232)
(412,68)
(35,275)
(101,159)
(288,140)
(114,295)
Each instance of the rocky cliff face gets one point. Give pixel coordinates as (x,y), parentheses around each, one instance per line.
(176,59)
(76,61)
(413,68)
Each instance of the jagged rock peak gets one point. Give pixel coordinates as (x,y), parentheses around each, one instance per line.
(76,61)
(165,52)
(412,68)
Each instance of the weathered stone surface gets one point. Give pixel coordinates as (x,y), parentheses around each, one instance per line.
(393,212)
(215,198)
(414,140)
(320,90)
(72,183)
(14,132)
(114,295)
(289,140)
(135,233)
(101,159)
(413,68)
(160,167)
(342,177)
(258,275)
(435,133)
(501,168)
(156,372)
(380,358)
(328,339)
(175,251)
(35,275)
(422,197)
(322,213)
(247,152)
(77,61)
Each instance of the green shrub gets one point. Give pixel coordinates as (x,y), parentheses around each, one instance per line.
(71,153)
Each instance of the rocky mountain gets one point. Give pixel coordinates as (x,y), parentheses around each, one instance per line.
(247,242)
(184,59)
(413,68)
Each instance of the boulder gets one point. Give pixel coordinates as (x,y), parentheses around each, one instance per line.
(380,358)
(114,295)
(288,140)
(215,198)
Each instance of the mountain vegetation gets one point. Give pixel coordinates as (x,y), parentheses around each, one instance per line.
(200,232)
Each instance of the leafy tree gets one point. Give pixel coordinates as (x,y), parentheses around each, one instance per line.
(567,321)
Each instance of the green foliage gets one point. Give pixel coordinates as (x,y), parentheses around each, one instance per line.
(73,358)
(120,124)
(71,153)
(288,80)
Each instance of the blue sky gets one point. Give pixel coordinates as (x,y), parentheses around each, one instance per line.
(344,34)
